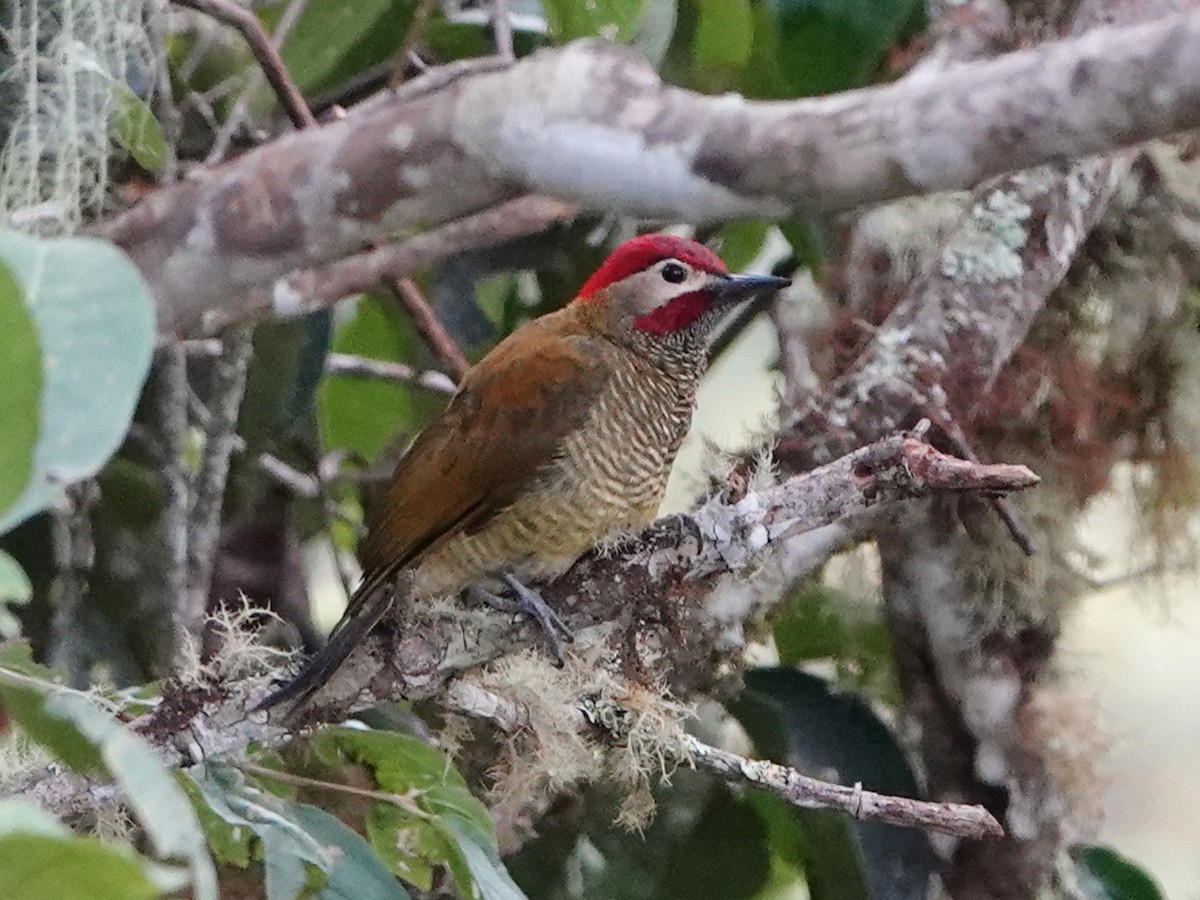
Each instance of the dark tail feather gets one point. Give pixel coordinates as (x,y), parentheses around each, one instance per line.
(369,604)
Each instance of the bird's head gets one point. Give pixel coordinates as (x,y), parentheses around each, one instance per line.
(665,288)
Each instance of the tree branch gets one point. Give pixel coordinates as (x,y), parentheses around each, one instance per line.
(220,439)
(958,819)
(432,331)
(171,378)
(264,51)
(595,125)
(307,290)
(658,590)
(345,365)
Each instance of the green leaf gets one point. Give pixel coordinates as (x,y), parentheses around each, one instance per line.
(20,401)
(740,242)
(17,815)
(492,880)
(832,45)
(25,702)
(656,29)
(724,34)
(1113,877)
(90,740)
(95,318)
(230,842)
(613,20)
(135,128)
(38,866)
(333,41)
(296,839)
(806,239)
(362,415)
(447,823)
(407,845)
(815,626)
(158,801)
(356,870)
(15,590)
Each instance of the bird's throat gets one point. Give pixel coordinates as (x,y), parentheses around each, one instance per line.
(676,315)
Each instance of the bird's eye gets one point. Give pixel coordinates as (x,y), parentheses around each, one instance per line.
(674,273)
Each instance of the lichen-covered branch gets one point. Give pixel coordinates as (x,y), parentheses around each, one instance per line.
(957,819)
(595,125)
(944,343)
(640,605)
(307,290)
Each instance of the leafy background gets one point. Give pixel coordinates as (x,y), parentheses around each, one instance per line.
(76,340)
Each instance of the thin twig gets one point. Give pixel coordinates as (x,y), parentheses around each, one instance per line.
(264,52)
(220,439)
(958,819)
(1016,528)
(172,401)
(74,557)
(502,29)
(294,480)
(346,365)
(401,800)
(408,47)
(426,322)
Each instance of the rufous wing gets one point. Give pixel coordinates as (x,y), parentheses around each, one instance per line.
(494,439)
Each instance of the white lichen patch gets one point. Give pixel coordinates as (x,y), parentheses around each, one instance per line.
(19,756)
(401,136)
(549,753)
(241,651)
(987,248)
(534,124)
(286,301)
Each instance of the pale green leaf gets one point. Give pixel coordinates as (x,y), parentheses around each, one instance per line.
(724,34)
(95,320)
(20,401)
(135,128)
(613,20)
(41,866)
(15,590)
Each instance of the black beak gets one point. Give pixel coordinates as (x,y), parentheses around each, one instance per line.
(736,288)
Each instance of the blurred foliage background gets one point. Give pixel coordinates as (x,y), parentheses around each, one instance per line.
(141,92)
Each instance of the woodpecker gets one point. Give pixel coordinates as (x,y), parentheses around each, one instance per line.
(563,434)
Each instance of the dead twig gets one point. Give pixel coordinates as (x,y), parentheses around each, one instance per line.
(432,331)
(502,30)
(220,439)
(264,52)
(957,819)
(172,401)
(346,365)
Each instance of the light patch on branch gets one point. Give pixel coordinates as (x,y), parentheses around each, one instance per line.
(594,124)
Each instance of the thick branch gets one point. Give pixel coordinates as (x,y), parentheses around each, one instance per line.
(311,289)
(594,124)
(636,601)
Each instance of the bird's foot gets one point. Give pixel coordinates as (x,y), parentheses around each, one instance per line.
(526,600)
